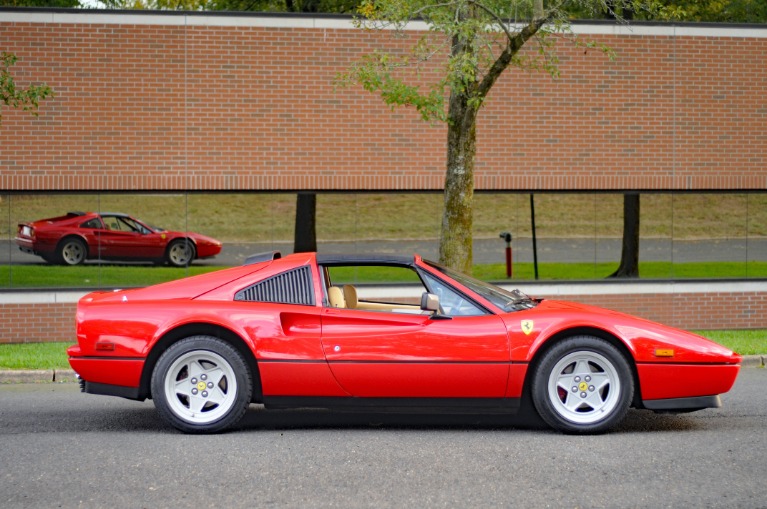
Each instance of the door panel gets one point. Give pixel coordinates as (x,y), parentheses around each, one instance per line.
(380,354)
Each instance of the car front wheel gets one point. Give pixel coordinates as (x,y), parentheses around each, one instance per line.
(582,385)
(201,385)
(180,253)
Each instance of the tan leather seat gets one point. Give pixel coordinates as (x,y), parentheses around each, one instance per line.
(336,297)
(350,296)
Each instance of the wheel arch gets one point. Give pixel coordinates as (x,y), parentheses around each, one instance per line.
(72,236)
(585,331)
(182,238)
(195,329)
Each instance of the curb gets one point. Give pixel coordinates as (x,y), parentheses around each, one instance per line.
(37,376)
(754,361)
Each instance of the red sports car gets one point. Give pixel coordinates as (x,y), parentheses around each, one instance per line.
(77,236)
(303,331)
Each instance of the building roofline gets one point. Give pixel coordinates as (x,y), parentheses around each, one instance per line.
(343,21)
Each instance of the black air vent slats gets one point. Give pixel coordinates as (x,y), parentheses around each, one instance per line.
(291,287)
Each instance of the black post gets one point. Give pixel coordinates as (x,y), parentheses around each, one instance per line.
(305,235)
(535,241)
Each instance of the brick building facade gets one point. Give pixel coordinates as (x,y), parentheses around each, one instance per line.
(194,102)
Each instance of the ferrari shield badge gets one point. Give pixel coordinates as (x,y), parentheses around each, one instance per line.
(527,327)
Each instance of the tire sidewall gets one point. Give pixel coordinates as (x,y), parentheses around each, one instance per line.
(192,252)
(238,365)
(63,244)
(543,372)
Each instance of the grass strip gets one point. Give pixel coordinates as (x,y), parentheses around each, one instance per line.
(54,356)
(116,276)
(745,342)
(34,356)
(92,276)
(647,270)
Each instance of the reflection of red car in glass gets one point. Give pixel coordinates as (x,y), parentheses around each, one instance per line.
(304,331)
(77,236)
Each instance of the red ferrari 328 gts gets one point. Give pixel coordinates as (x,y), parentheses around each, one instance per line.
(297,332)
(72,238)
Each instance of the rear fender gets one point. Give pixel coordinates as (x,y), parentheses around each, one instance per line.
(179,332)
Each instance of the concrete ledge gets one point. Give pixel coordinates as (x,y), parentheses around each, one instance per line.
(548,288)
(344,22)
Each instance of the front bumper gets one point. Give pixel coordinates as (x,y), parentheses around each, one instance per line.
(684,382)
(683,404)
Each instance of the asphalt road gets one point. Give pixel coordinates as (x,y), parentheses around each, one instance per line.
(61,448)
(493,250)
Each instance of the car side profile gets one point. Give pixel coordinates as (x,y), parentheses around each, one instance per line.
(304,331)
(78,236)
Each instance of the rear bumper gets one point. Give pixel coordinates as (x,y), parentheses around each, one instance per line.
(38,247)
(110,390)
(25,245)
(109,371)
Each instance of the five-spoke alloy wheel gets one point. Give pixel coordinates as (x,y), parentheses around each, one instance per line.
(582,385)
(180,253)
(72,251)
(201,385)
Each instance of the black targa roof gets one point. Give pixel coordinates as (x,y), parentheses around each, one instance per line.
(364,259)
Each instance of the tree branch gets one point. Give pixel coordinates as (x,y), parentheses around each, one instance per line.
(513,46)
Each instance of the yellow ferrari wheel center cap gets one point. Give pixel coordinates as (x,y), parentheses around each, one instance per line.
(200,385)
(583,386)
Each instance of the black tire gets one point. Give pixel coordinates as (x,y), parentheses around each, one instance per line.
(582,385)
(50,258)
(71,251)
(180,253)
(201,385)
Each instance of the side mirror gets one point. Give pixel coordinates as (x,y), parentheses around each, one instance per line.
(430,302)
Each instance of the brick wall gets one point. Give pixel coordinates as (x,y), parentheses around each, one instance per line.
(715,310)
(205,102)
(37,323)
(153,102)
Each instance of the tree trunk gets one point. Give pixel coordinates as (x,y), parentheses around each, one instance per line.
(629,266)
(456,243)
(305,233)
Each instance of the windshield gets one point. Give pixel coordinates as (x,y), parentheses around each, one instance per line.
(508,301)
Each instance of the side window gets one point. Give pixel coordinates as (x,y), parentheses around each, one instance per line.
(94,224)
(451,302)
(132,226)
(291,287)
(111,223)
(384,288)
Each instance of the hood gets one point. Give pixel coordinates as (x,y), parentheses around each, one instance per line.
(645,338)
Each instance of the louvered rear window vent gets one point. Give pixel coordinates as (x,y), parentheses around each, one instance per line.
(291,287)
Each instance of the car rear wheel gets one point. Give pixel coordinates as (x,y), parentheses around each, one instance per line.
(582,385)
(201,385)
(180,253)
(72,251)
